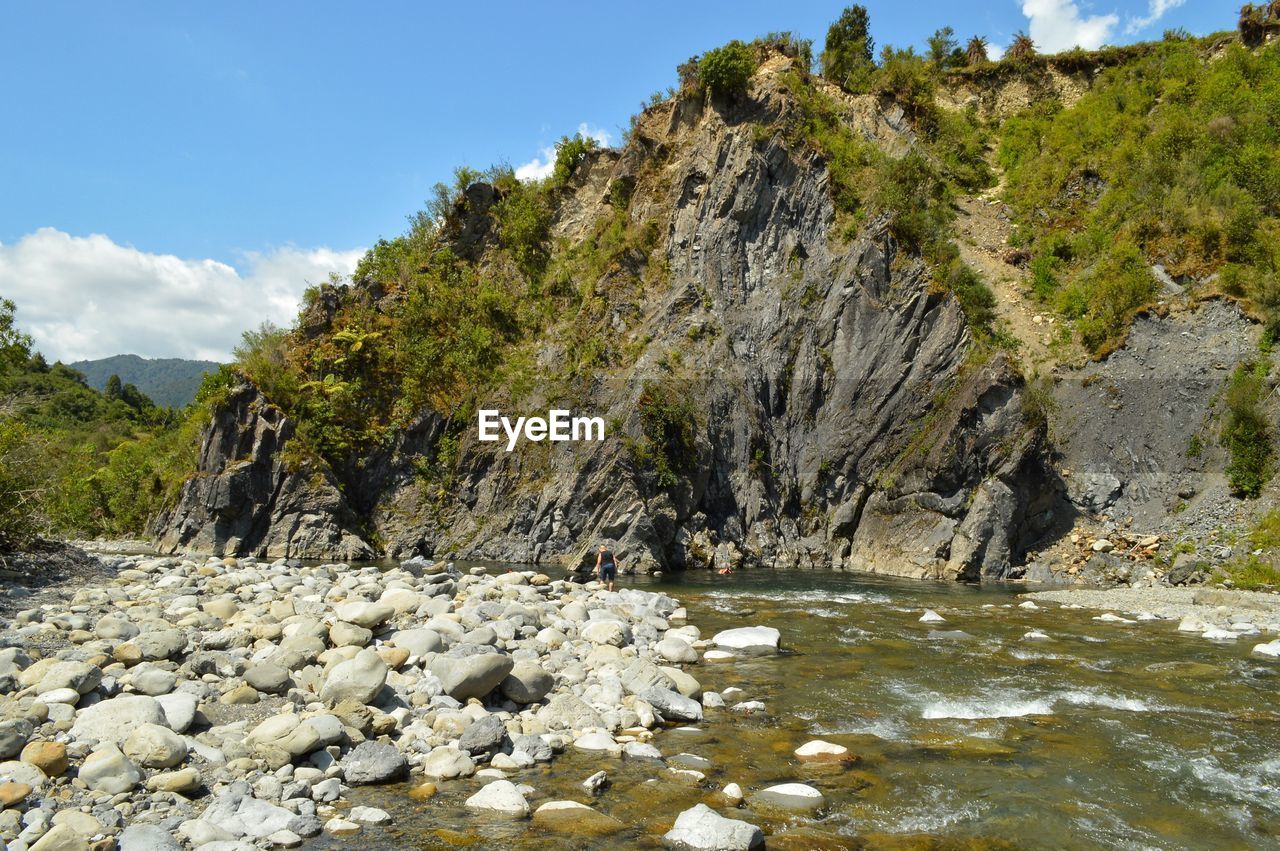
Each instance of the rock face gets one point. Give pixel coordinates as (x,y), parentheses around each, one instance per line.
(245,499)
(1126,427)
(835,421)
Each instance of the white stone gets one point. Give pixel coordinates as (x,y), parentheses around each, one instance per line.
(500,796)
(703,829)
(930,616)
(749,639)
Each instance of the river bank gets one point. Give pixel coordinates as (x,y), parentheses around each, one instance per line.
(227,703)
(338,704)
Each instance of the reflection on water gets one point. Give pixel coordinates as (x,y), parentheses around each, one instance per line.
(1097,735)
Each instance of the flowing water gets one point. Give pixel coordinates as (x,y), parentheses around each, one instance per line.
(969,734)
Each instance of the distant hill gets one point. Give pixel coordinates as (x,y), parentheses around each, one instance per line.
(170,382)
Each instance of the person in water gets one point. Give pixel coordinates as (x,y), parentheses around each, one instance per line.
(606,566)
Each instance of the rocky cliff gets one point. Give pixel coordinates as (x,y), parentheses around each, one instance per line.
(245,498)
(841,415)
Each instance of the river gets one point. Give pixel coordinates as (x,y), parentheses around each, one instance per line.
(1102,735)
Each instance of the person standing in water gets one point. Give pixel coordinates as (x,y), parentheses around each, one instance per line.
(606,566)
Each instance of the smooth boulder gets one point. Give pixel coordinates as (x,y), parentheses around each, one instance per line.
(703,829)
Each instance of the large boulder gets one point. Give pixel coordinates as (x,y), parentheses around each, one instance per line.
(703,829)
(672,705)
(528,682)
(751,640)
(372,762)
(108,770)
(465,674)
(113,720)
(359,678)
(500,796)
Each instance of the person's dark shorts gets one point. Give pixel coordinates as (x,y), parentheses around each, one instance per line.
(608,572)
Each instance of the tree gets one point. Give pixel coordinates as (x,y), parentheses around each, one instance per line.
(15,346)
(976,53)
(114,389)
(847,57)
(1022,47)
(944,50)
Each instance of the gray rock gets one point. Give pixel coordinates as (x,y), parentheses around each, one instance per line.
(528,682)
(419,642)
(473,675)
(484,736)
(343,634)
(80,676)
(147,837)
(359,679)
(154,682)
(567,712)
(371,762)
(179,710)
(672,705)
(14,735)
(237,813)
(154,746)
(109,770)
(160,644)
(535,747)
(676,649)
(367,615)
(703,829)
(269,678)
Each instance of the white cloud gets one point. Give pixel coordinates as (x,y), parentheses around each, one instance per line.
(995,52)
(541,166)
(89,297)
(1057,25)
(1156,9)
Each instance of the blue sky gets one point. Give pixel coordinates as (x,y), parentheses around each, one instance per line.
(229,134)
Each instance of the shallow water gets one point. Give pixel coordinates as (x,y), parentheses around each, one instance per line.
(1107,735)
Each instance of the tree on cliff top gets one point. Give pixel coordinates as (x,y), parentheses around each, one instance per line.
(847,57)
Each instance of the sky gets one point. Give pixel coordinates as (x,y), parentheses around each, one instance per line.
(174,173)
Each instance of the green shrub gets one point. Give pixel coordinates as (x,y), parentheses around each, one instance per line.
(263,357)
(1246,433)
(21,485)
(975,297)
(727,70)
(570,152)
(1250,573)
(1105,297)
(1169,154)
(524,222)
(668,425)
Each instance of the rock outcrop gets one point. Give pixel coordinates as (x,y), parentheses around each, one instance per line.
(840,415)
(246,498)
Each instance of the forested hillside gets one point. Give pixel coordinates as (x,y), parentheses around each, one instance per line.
(169,382)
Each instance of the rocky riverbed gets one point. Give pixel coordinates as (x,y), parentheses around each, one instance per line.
(223,703)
